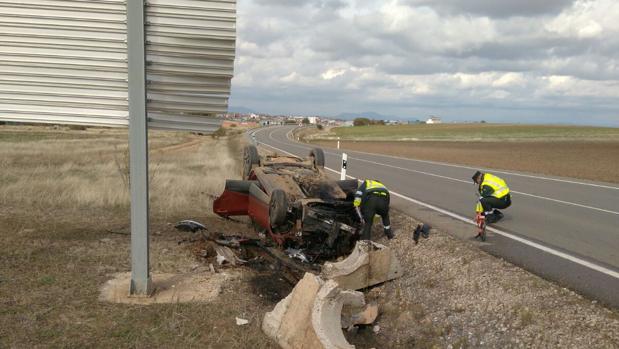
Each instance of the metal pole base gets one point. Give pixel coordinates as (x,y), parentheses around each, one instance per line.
(140,288)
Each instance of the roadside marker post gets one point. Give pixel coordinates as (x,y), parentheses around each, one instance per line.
(344,166)
(338,142)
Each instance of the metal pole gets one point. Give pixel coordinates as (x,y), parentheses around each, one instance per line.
(344,166)
(138,149)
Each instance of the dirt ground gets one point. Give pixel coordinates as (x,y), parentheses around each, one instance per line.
(59,243)
(592,160)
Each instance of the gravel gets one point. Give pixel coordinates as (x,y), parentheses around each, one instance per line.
(453,295)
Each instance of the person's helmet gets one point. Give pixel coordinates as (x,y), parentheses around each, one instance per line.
(476,175)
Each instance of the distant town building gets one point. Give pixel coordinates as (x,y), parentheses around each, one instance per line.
(434,120)
(313,120)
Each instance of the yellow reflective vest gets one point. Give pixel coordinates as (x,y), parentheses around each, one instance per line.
(369,186)
(497,184)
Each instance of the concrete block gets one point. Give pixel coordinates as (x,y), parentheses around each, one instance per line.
(168,288)
(310,316)
(327,314)
(370,263)
(289,324)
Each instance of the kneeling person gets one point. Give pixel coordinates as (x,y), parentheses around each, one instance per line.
(494,195)
(371,198)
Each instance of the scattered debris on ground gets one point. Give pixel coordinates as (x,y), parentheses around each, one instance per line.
(449,294)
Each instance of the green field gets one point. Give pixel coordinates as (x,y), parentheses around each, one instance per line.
(470,132)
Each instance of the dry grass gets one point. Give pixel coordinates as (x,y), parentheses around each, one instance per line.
(91,172)
(64,225)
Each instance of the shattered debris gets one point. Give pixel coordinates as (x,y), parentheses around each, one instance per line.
(241,322)
(297,254)
(189,225)
(226,255)
(365,315)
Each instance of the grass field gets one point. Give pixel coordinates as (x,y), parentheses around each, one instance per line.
(473,132)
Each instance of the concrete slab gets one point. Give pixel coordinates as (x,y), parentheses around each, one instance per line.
(327,314)
(290,322)
(370,263)
(168,288)
(310,316)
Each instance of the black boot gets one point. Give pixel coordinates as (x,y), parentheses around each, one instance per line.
(389,234)
(491,218)
(497,214)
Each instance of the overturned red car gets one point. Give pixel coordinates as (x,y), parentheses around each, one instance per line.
(295,203)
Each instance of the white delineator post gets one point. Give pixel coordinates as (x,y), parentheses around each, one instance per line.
(338,142)
(344,165)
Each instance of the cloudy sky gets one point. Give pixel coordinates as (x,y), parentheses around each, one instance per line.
(548,61)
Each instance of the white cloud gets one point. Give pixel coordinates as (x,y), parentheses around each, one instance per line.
(509,80)
(332,73)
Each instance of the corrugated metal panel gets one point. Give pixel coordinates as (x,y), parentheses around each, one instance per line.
(63,61)
(190,57)
(192,123)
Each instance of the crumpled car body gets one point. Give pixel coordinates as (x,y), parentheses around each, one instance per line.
(295,203)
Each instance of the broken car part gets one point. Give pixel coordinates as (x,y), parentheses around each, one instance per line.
(189,225)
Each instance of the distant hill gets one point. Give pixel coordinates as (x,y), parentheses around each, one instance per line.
(241,110)
(367,114)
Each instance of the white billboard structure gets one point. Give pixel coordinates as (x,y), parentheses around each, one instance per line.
(162,63)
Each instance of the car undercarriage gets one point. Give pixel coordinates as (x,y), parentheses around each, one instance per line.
(293,202)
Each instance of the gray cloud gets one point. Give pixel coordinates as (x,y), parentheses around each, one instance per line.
(494,8)
(416,57)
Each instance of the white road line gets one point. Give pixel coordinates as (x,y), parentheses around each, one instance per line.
(460,180)
(477,168)
(536,245)
(468,182)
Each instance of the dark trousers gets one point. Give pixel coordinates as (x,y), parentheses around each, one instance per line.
(490,202)
(372,205)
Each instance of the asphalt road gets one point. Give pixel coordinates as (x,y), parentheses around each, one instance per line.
(563,229)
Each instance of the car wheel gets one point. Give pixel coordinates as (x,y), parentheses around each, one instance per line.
(250,158)
(319,157)
(278,207)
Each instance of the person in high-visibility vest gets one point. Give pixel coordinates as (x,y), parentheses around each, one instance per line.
(371,198)
(494,195)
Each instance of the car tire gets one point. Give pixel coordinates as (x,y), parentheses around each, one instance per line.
(278,208)
(319,157)
(250,158)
